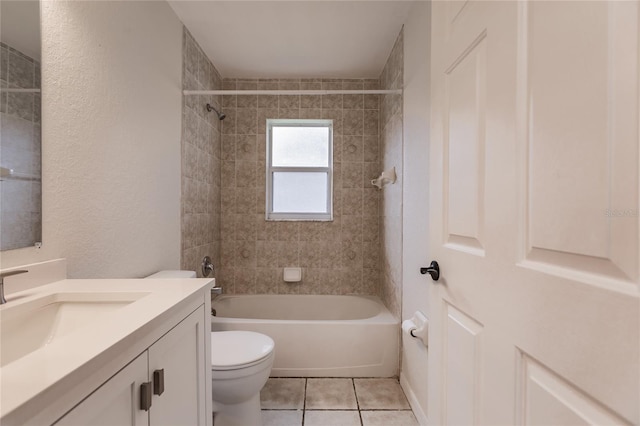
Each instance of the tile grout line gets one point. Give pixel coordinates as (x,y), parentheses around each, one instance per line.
(304,400)
(355,392)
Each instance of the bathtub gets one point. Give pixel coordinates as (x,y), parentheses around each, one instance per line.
(317,336)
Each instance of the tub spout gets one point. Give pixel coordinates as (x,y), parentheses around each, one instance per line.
(216,290)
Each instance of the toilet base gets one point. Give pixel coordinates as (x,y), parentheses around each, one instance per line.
(247,413)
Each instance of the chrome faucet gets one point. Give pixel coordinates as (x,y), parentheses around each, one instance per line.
(207,266)
(2,277)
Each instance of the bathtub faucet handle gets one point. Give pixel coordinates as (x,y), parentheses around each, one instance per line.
(207,266)
(216,290)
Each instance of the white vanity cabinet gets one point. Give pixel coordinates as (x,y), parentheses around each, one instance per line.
(162,386)
(98,371)
(117,402)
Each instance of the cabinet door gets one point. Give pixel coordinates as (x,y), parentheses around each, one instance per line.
(179,356)
(116,402)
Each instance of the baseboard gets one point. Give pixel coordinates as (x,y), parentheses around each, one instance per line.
(413,401)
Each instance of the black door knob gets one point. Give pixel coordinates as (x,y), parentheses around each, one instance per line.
(433,269)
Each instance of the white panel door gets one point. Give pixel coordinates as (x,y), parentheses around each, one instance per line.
(534,183)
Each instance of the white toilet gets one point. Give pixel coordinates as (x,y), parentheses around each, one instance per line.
(240,366)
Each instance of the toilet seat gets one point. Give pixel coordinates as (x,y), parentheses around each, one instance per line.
(234,350)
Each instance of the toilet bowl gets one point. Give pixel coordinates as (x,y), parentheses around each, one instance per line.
(241,362)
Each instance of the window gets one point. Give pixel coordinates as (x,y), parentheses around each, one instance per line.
(299,169)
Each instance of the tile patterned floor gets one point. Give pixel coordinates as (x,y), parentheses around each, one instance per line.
(335,402)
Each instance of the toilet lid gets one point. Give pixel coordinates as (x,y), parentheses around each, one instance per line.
(235,349)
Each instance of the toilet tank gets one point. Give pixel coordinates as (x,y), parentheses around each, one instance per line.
(173,274)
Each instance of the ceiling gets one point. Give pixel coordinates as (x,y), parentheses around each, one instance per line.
(295,39)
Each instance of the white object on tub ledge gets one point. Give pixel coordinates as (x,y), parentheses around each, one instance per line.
(293,275)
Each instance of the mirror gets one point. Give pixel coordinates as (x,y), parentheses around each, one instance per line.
(20,142)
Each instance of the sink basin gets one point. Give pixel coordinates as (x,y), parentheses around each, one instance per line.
(29,326)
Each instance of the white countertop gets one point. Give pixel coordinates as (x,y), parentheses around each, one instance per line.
(35,379)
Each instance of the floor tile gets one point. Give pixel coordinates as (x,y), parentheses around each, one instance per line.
(331,418)
(330,394)
(377,394)
(281,417)
(388,418)
(282,394)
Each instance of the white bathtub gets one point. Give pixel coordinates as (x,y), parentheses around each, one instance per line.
(317,336)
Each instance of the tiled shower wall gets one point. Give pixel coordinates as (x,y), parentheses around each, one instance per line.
(391,147)
(20,205)
(200,160)
(339,257)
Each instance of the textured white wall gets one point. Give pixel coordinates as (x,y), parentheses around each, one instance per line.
(111,122)
(415,210)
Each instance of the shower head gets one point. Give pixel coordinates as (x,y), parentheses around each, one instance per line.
(221,115)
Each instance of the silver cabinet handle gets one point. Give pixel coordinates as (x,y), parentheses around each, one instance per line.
(145,396)
(158,382)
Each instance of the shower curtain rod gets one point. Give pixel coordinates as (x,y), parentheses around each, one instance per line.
(293,92)
(10,90)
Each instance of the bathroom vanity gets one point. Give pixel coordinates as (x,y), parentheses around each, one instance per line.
(126,352)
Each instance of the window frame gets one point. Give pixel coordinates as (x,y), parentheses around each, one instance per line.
(270,215)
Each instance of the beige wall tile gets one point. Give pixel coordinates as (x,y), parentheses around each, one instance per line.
(287,254)
(266,281)
(311,84)
(245,228)
(289,84)
(246,121)
(353,122)
(352,175)
(289,101)
(389,129)
(245,280)
(353,101)
(317,247)
(352,149)
(288,113)
(245,148)
(267,255)
(245,174)
(311,101)
(201,152)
